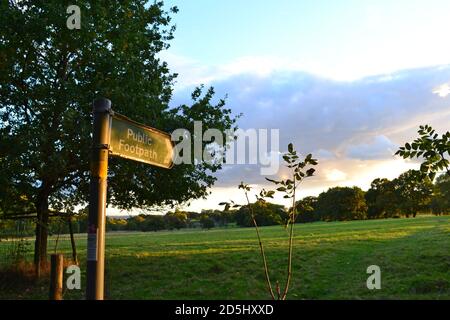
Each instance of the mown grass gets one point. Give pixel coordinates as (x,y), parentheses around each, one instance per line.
(329,262)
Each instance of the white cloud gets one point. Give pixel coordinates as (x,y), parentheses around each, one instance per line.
(443,90)
(353,128)
(335,175)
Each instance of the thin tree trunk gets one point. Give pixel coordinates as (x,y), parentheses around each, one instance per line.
(40,245)
(261,248)
(291,237)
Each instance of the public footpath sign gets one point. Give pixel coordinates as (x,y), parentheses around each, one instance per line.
(116,135)
(138,142)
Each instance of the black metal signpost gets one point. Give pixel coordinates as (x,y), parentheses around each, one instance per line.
(122,137)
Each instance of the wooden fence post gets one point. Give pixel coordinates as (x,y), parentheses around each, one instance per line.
(56,277)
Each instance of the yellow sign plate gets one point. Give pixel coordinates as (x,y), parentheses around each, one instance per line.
(135,141)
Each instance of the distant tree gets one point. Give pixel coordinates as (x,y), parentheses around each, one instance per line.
(413,192)
(49,76)
(228,216)
(221,218)
(115,224)
(216,215)
(433,149)
(207,222)
(440,203)
(153,222)
(343,204)
(175,220)
(307,210)
(191,215)
(80,221)
(136,223)
(265,213)
(381,199)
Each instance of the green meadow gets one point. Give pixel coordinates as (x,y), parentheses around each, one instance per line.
(330,262)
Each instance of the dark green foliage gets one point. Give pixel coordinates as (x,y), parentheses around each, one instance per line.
(154,223)
(116,224)
(49,76)
(175,220)
(220,218)
(408,195)
(381,199)
(413,192)
(266,214)
(433,149)
(342,204)
(307,210)
(207,222)
(440,204)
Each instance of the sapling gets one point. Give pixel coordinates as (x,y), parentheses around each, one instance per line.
(299,169)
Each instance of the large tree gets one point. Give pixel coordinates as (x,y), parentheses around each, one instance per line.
(413,192)
(307,209)
(266,214)
(440,204)
(381,199)
(342,204)
(49,76)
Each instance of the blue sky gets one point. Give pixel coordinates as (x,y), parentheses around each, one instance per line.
(349,81)
(343,39)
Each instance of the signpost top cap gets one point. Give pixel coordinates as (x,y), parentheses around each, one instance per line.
(102,105)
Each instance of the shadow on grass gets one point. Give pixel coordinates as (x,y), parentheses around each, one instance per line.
(330,264)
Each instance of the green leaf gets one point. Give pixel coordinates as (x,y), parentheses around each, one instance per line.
(290,147)
(432,175)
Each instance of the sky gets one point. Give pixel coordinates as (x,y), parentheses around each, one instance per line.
(349,81)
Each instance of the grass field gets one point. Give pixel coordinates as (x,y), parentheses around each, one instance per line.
(330,262)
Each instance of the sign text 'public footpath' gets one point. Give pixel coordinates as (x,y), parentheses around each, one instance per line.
(138,142)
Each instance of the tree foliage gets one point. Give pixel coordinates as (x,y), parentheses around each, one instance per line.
(413,192)
(434,149)
(49,76)
(381,199)
(342,204)
(266,214)
(307,209)
(440,203)
(207,222)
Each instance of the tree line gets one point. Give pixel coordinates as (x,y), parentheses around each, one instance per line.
(405,196)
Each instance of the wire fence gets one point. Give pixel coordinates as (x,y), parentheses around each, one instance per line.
(17,238)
